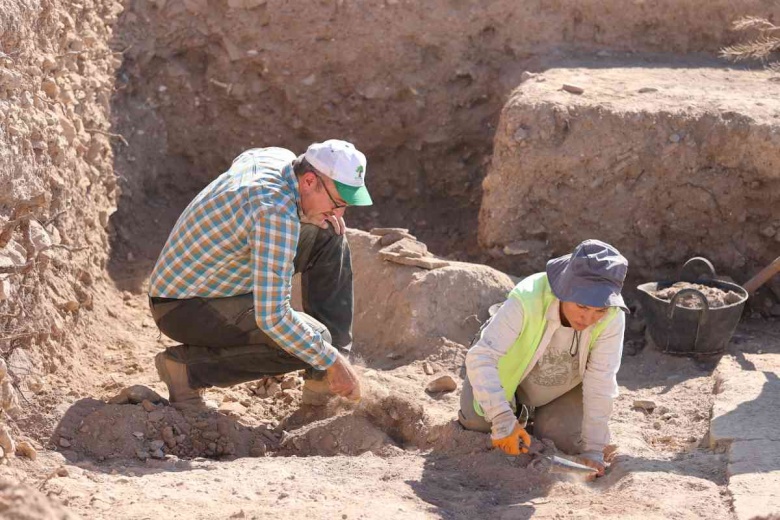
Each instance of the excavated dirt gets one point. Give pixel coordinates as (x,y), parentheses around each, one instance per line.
(654,152)
(715,297)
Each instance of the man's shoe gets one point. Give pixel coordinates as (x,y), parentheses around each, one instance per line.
(174,375)
(316,392)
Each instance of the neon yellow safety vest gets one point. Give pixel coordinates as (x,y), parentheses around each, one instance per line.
(535,295)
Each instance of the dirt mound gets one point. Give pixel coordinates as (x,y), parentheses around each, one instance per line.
(19,502)
(715,297)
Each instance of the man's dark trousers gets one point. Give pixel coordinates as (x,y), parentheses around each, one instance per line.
(222,345)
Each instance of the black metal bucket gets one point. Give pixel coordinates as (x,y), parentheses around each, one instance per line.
(691,332)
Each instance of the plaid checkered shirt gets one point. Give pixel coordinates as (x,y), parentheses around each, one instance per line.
(240,235)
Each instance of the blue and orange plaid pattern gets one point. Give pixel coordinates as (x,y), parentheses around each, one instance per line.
(240,235)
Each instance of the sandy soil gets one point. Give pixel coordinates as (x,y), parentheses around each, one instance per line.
(398,454)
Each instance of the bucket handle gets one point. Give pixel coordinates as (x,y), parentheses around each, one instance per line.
(695,269)
(702,316)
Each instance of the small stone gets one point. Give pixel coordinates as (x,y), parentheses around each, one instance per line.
(647,90)
(65,443)
(141,454)
(384,231)
(675,138)
(156,445)
(6,441)
(62,472)
(273,388)
(428,369)
(25,449)
(445,383)
(525,76)
(148,405)
(643,404)
(289,384)
(394,356)
(573,89)
(657,425)
(135,394)
(392,238)
(236,409)
(768,232)
(138,435)
(158,454)
(514,250)
(168,437)
(521,134)
(71,306)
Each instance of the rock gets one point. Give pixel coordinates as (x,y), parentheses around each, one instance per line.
(136,394)
(425,263)
(646,405)
(39,236)
(392,238)
(384,231)
(273,388)
(148,405)
(35,384)
(156,445)
(647,90)
(525,76)
(521,134)
(62,472)
(675,138)
(409,247)
(289,383)
(236,409)
(138,435)
(428,369)
(141,454)
(71,305)
(168,437)
(445,383)
(573,89)
(768,232)
(25,449)
(65,443)
(158,454)
(6,289)
(8,398)
(514,250)
(6,441)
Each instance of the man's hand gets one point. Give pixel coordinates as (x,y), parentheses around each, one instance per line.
(337,221)
(343,380)
(515,443)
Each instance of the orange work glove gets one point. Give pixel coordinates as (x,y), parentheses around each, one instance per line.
(515,443)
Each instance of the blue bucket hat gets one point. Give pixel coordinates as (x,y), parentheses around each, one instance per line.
(592,275)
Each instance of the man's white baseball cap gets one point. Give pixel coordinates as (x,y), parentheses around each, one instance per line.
(346,165)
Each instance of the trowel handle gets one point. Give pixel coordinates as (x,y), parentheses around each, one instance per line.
(761,278)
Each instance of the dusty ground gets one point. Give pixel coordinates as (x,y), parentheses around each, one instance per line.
(398,454)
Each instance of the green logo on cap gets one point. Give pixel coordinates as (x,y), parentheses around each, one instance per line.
(359,172)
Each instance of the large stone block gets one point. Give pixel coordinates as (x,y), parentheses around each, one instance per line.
(664,160)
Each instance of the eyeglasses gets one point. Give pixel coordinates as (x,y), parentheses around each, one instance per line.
(336,205)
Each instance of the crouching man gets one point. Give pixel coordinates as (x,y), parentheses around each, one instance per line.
(554,347)
(222,283)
